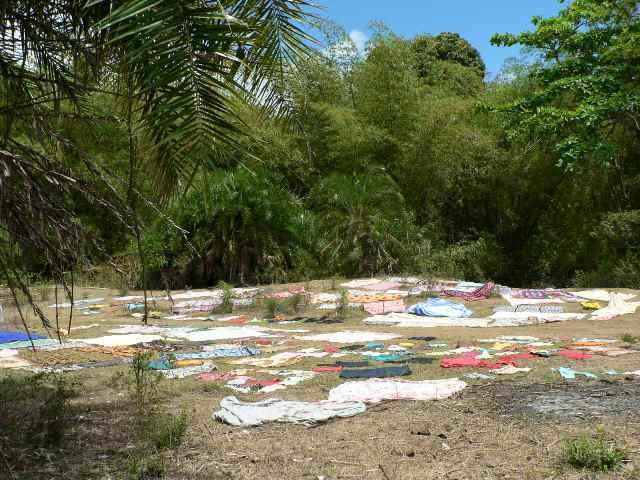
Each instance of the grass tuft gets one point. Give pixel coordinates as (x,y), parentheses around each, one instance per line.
(593,453)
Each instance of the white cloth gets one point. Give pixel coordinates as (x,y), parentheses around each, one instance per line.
(247,414)
(10,358)
(498,319)
(511,370)
(222,333)
(409,320)
(602,295)
(121,340)
(360,283)
(349,337)
(618,305)
(78,303)
(540,317)
(377,390)
(188,371)
(516,302)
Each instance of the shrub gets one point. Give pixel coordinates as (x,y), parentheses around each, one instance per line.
(33,413)
(167,431)
(593,453)
(271,307)
(149,468)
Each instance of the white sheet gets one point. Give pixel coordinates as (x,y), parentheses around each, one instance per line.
(618,305)
(222,333)
(349,337)
(247,414)
(121,340)
(602,295)
(377,390)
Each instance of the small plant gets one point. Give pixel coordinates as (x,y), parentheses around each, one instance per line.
(45,292)
(227,298)
(271,307)
(593,453)
(296,302)
(145,383)
(343,303)
(167,431)
(150,468)
(628,338)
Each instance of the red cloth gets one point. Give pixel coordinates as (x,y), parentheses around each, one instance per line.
(239,321)
(263,341)
(482,293)
(327,369)
(510,359)
(460,362)
(471,360)
(574,355)
(331,349)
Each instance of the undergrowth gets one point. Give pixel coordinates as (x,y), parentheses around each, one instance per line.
(595,453)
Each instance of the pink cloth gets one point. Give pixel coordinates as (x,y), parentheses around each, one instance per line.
(481,293)
(379,308)
(382,286)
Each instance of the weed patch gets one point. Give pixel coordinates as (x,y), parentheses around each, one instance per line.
(595,453)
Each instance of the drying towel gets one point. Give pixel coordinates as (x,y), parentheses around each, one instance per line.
(481,293)
(437,307)
(247,414)
(374,391)
(7,337)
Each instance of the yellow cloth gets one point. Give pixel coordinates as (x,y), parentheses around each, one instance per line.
(500,346)
(188,363)
(591,305)
(407,345)
(373,298)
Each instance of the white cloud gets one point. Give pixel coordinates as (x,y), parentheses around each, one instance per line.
(359,39)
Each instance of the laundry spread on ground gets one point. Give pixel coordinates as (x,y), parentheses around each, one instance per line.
(438,307)
(375,391)
(251,414)
(258,355)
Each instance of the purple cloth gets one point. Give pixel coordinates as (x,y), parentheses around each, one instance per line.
(8,337)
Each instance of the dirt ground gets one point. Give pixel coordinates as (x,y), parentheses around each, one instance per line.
(512,427)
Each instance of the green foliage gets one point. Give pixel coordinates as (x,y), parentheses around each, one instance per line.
(587,93)
(593,453)
(227,297)
(628,338)
(35,415)
(144,386)
(447,47)
(147,467)
(167,431)
(272,307)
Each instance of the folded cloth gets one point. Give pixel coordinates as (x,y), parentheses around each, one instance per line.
(438,307)
(382,372)
(247,414)
(375,390)
(481,293)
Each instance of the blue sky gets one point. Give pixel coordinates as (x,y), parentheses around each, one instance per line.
(475,20)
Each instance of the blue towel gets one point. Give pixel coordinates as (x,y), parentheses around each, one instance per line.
(7,337)
(438,307)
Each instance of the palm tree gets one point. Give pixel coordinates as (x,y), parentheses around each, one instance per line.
(183,68)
